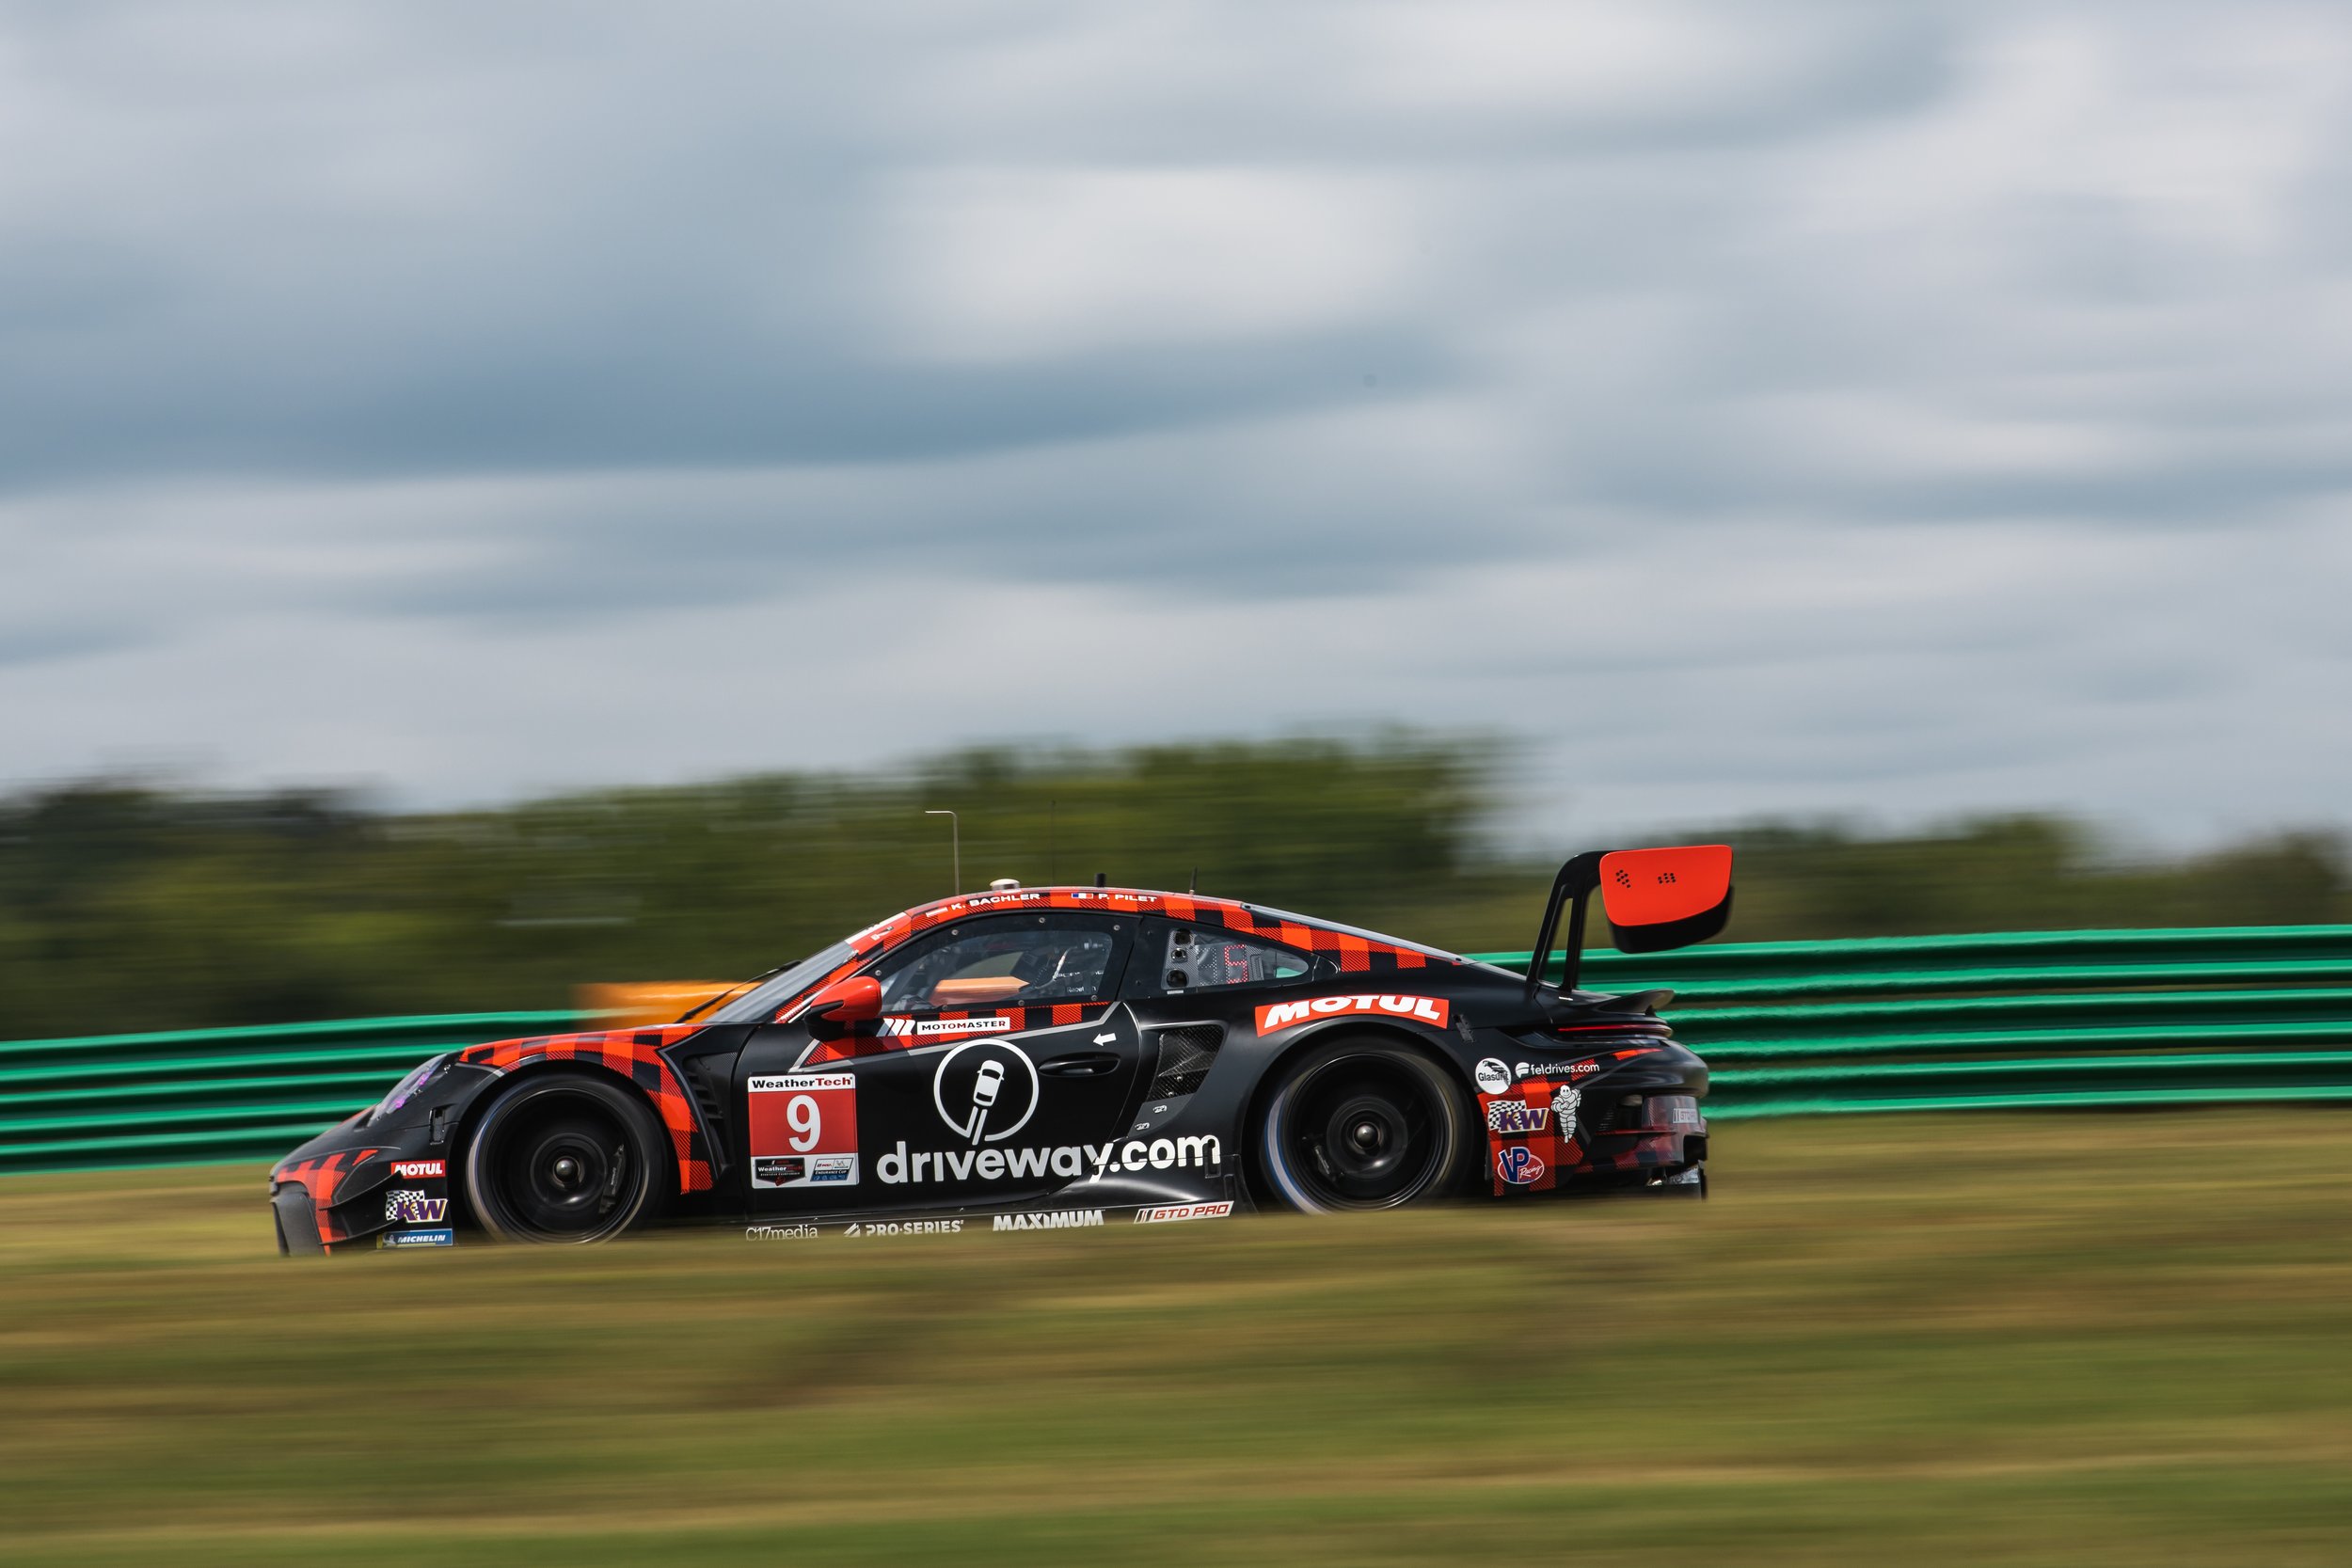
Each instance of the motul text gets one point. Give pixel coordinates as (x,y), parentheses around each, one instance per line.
(1431,1010)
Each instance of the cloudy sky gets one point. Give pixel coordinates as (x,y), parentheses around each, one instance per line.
(1755,407)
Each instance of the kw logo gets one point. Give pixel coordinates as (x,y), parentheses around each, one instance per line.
(407,1208)
(1515,1118)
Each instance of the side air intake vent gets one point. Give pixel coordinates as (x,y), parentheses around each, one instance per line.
(1185,1056)
(706,1081)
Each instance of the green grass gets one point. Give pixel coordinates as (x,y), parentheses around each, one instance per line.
(2049,1339)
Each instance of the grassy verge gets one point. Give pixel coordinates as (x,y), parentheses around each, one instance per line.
(1992,1340)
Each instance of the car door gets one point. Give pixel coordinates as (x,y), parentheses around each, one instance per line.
(1192,987)
(1001,1059)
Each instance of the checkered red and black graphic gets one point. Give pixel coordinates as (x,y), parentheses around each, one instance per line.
(1357,955)
(899,1033)
(633,1054)
(320,1177)
(1652,1149)
(1652,1144)
(1554,1146)
(1666,1121)
(1630,1147)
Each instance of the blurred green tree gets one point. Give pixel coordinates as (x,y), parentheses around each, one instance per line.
(126,907)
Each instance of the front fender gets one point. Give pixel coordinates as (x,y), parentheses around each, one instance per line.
(635,1056)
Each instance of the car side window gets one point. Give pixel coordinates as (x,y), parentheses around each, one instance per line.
(1016,962)
(1195,958)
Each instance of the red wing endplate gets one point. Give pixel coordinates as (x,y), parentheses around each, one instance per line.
(1662,898)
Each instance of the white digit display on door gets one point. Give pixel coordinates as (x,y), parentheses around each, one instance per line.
(806,1122)
(803,1130)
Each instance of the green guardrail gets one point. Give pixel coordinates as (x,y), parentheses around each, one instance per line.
(2011,1021)
(191,1095)
(2006,1021)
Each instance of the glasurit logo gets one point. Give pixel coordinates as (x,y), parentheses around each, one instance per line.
(1420,1010)
(1091,1160)
(1060,1219)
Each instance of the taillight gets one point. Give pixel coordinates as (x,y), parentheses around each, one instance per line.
(1671,1112)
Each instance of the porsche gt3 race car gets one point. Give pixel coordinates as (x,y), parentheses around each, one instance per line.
(1048,1058)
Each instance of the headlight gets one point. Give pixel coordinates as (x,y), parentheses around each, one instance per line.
(405,1090)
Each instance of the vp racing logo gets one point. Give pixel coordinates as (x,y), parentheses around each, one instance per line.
(985,1091)
(1518,1164)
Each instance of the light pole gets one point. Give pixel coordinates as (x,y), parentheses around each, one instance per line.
(955,846)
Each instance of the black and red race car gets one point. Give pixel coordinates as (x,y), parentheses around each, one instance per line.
(1046,1057)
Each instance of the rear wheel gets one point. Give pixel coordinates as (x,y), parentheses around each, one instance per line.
(1363,1124)
(565,1157)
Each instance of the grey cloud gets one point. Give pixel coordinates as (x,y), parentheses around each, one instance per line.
(650,245)
(1841,392)
(41,644)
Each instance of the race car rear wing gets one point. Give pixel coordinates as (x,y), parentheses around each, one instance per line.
(1655,899)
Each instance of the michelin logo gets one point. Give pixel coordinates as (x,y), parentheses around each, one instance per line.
(417,1238)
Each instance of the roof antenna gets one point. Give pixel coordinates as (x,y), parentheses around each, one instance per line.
(1102,879)
(1194,886)
(955,846)
(1051,876)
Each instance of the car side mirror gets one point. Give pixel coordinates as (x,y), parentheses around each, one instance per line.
(841,1006)
(1658,899)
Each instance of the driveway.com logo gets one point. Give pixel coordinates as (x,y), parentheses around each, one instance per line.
(985,1091)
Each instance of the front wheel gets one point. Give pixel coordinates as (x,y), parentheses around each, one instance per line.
(565,1157)
(1363,1124)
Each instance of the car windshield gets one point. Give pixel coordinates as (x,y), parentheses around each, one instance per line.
(761,1002)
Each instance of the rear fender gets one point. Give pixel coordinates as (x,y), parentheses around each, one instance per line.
(1352,1027)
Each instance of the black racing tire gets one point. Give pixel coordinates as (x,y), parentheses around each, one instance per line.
(566,1157)
(1364,1124)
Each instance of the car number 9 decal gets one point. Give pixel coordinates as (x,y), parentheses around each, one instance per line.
(803,1130)
(806,1122)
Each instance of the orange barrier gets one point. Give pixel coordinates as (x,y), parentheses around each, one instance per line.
(638,1004)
